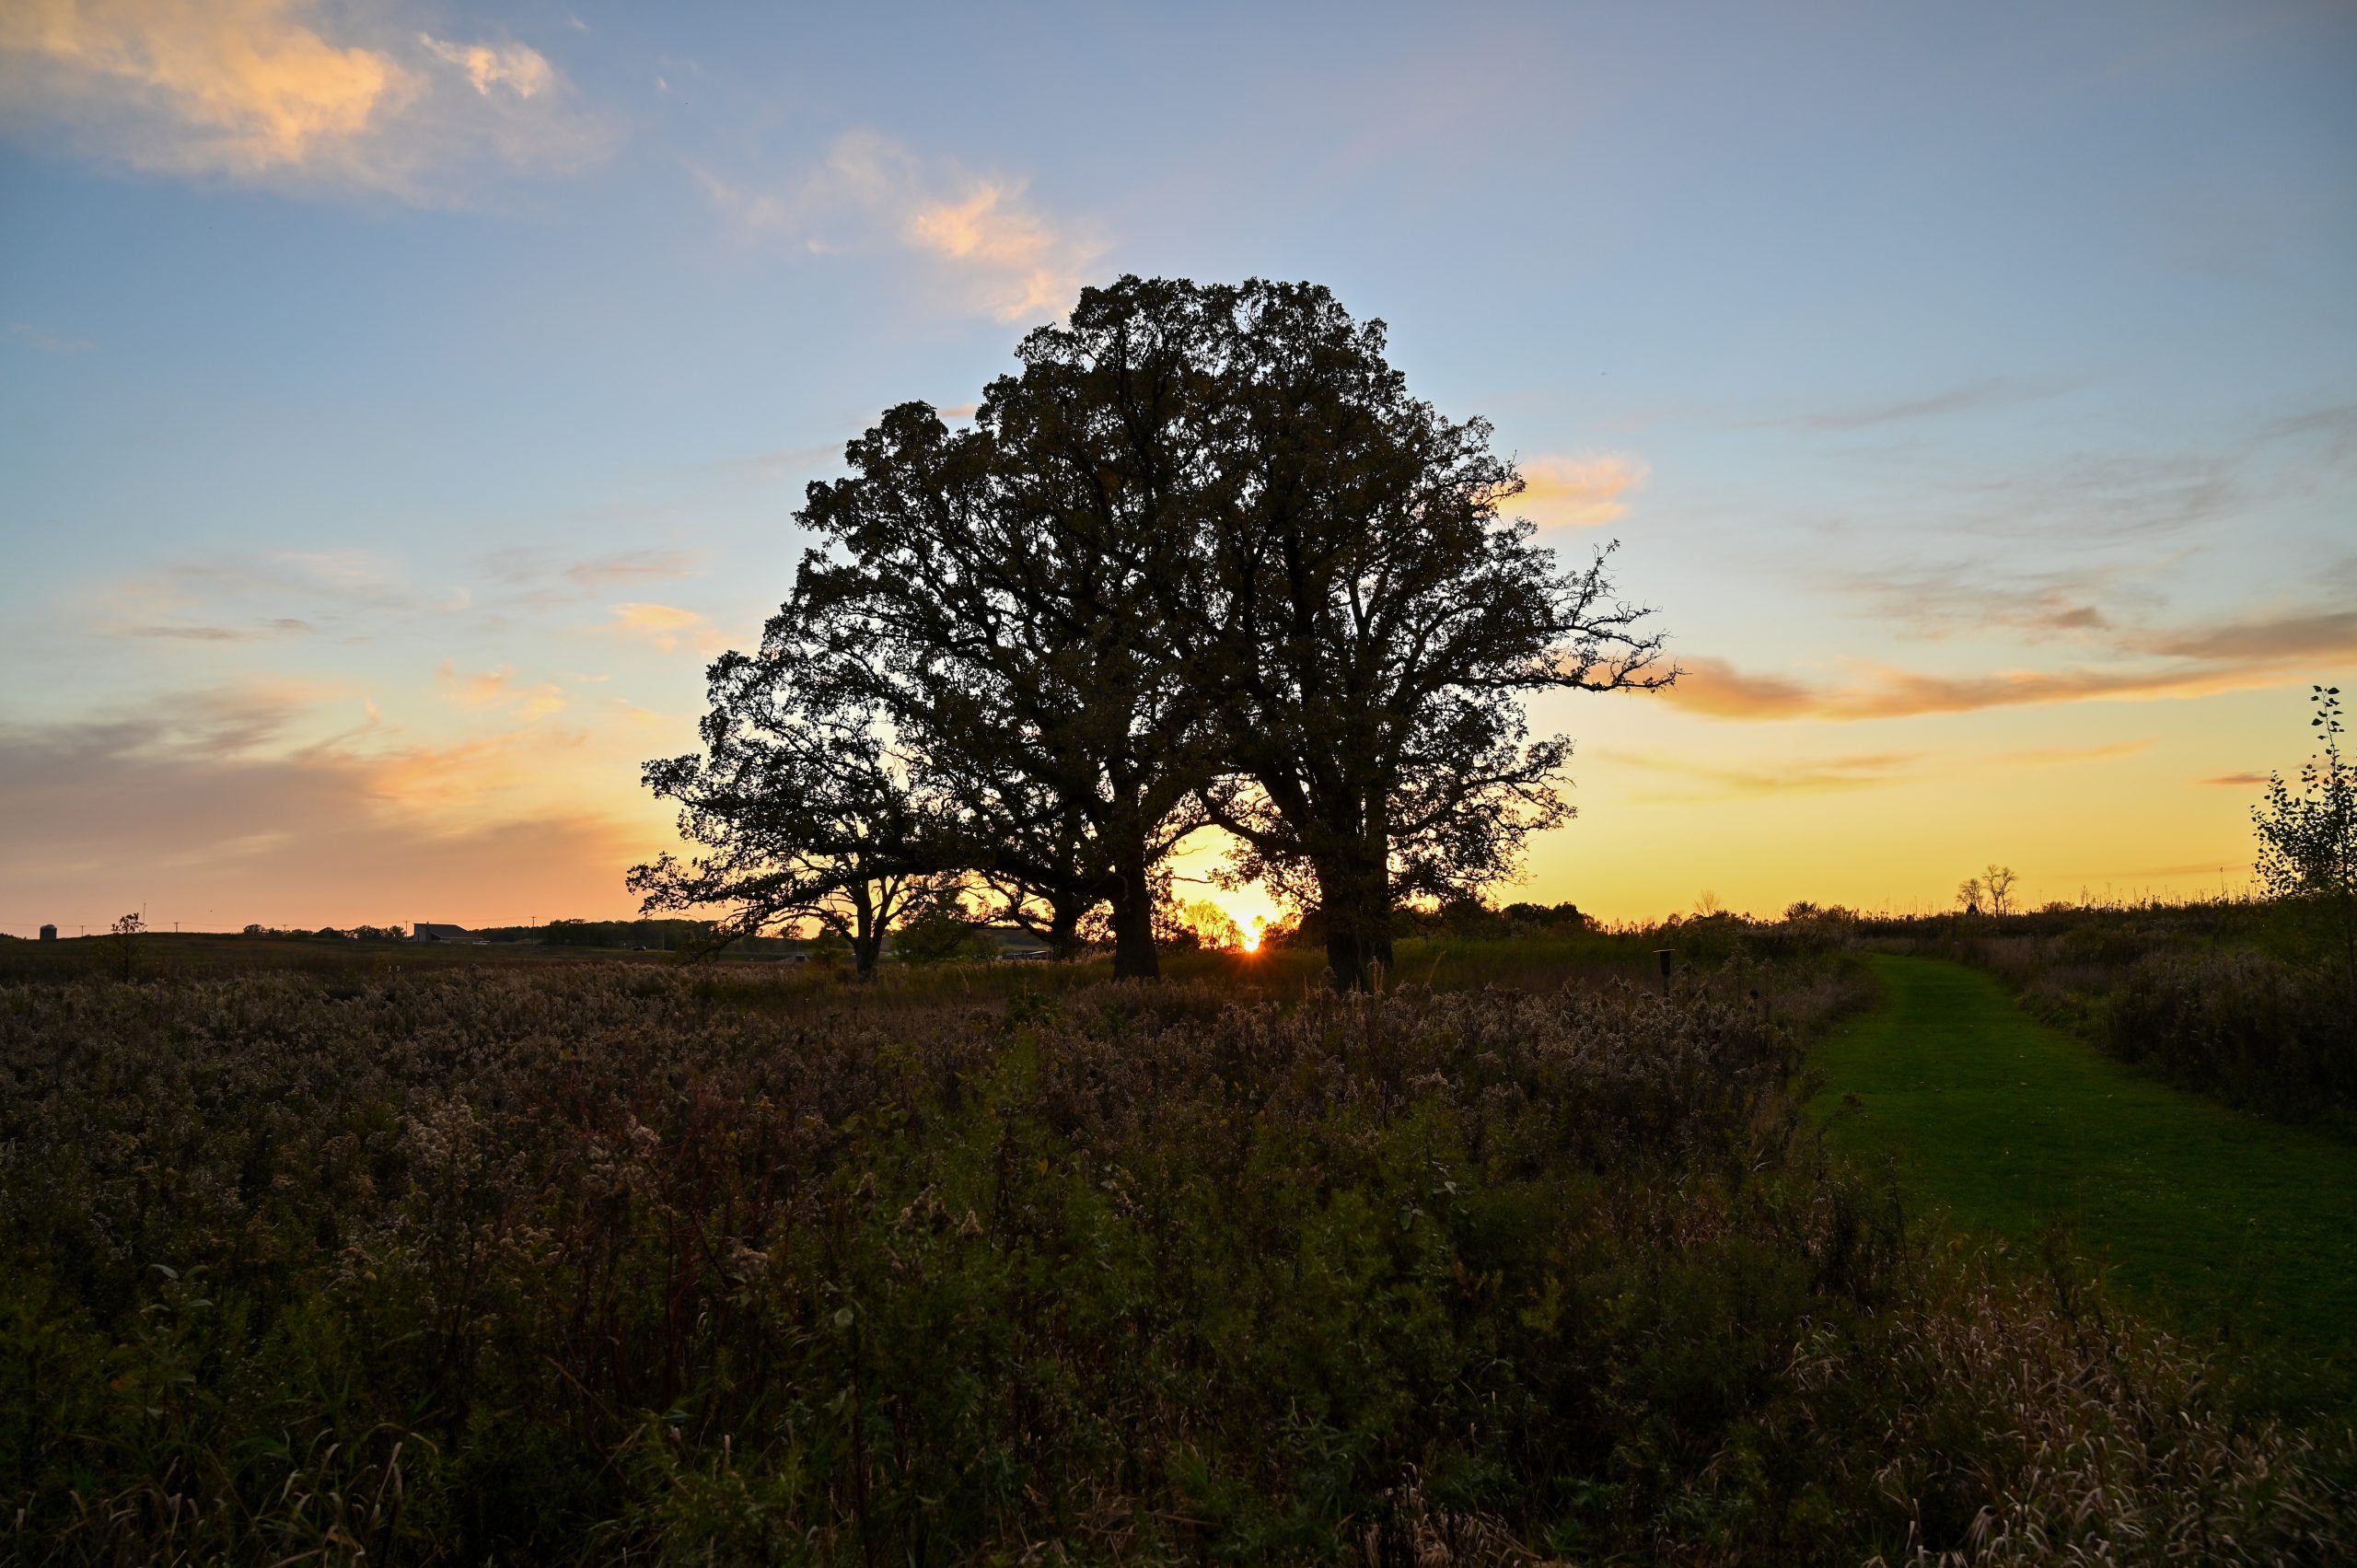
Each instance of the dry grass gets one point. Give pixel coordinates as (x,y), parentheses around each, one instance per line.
(629,1263)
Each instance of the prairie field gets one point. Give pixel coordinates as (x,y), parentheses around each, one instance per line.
(623,1261)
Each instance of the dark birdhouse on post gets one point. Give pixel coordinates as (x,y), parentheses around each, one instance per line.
(1667,957)
(49,934)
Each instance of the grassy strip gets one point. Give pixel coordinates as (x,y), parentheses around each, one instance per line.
(2234,1228)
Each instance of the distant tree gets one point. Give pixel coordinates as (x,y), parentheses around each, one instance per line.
(1968,895)
(1364,622)
(1999,882)
(800,806)
(124,931)
(2307,841)
(1005,586)
(1801,911)
(938,928)
(1201,923)
(1565,916)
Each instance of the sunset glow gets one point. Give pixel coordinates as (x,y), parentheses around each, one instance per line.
(403,407)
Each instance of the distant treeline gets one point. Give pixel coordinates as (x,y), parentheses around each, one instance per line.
(655,936)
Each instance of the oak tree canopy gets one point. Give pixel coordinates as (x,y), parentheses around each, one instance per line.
(1203,558)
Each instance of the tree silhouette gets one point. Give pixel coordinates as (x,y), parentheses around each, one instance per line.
(124,931)
(2308,841)
(1004,587)
(1367,623)
(1203,558)
(801,807)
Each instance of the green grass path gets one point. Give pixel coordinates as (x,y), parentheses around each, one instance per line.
(2214,1219)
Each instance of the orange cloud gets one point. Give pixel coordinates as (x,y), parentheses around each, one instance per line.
(209,809)
(246,85)
(1580,491)
(2250,657)
(668,627)
(497,689)
(524,72)
(1715,687)
(1786,776)
(259,89)
(1000,250)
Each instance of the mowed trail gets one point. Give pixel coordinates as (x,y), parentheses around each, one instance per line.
(2217,1221)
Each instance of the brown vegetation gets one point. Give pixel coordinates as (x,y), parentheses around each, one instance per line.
(626,1262)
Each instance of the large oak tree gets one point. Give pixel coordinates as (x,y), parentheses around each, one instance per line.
(1204,558)
(1005,587)
(1364,623)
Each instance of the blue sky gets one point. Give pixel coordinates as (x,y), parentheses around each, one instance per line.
(400,403)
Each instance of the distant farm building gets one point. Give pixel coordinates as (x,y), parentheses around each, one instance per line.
(427,931)
(49,934)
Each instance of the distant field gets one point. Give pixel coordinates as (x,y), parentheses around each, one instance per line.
(2236,1228)
(1444,963)
(166,954)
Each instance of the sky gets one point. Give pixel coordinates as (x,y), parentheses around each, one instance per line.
(401,403)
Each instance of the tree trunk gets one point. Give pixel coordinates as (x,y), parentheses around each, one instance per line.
(1064,927)
(1355,896)
(1133,954)
(867,933)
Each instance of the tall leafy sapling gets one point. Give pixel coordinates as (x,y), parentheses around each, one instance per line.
(2308,841)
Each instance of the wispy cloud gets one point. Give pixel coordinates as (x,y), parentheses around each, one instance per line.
(214,796)
(548,575)
(1937,598)
(2235,658)
(285,92)
(282,625)
(498,688)
(1804,775)
(2328,635)
(2237,781)
(667,627)
(1713,687)
(33,338)
(237,597)
(1579,492)
(983,233)
(1785,777)
(2065,755)
(1968,396)
(495,67)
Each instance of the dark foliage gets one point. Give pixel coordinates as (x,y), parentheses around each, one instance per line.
(798,801)
(591,1262)
(1204,559)
(1366,620)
